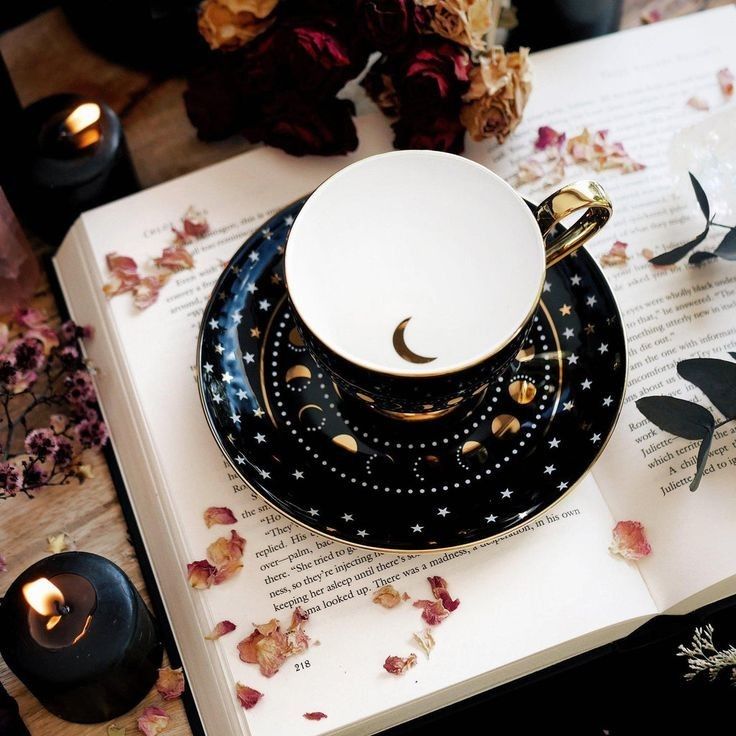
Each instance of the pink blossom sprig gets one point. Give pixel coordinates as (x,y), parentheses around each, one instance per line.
(48,406)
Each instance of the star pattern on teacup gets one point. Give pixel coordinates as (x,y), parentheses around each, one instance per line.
(297,447)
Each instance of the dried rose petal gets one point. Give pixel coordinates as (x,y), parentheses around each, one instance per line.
(153,721)
(398,665)
(268,647)
(271,653)
(145,292)
(434,612)
(630,540)
(617,255)
(247,696)
(195,223)
(315,715)
(175,258)
(698,103)
(439,591)
(387,596)
(297,640)
(59,542)
(221,628)
(201,574)
(226,555)
(651,15)
(170,683)
(3,563)
(725,80)
(218,515)
(547,137)
(123,275)
(529,170)
(424,640)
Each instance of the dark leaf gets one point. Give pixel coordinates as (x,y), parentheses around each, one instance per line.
(674,255)
(733,355)
(715,378)
(677,416)
(701,257)
(727,247)
(702,460)
(702,198)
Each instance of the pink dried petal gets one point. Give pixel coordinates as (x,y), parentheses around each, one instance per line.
(630,540)
(698,103)
(3,563)
(556,174)
(271,653)
(180,238)
(170,683)
(29,317)
(651,15)
(725,80)
(617,255)
(195,223)
(387,596)
(175,258)
(123,275)
(547,137)
(153,721)
(218,515)
(247,696)
(226,555)
(201,574)
(145,292)
(221,628)
(123,264)
(529,170)
(434,612)
(439,591)
(315,715)
(268,647)
(580,147)
(398,665)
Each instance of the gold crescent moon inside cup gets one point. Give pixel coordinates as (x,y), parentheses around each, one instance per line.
(403,349)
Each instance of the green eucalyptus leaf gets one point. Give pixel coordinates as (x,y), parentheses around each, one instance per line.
(701,257)
(677,416)
(727,247)
(702,460)
(715,378)
(674,255)
(701,196)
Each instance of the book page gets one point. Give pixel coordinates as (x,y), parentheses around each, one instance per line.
(636,85)
(550,583)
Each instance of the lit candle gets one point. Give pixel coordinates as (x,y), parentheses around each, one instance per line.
(77,160)
(75,631)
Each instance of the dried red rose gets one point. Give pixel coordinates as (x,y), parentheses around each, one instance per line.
(547,136)
(153,721)
(247,696)
(386,25)
(218,515)
(170,683)
(221,628)
(630,540)
(399,665)
(440,592)
(379,86)
(315,716)
(434,133)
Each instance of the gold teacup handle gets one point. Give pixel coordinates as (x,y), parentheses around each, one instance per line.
(587,195)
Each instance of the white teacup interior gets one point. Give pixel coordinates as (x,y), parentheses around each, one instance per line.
(415,263)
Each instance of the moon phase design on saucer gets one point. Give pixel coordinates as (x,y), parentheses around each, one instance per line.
(340,469)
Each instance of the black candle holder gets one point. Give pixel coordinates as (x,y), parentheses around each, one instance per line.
(102,658)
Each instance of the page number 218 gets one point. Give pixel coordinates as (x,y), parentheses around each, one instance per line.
(305,665)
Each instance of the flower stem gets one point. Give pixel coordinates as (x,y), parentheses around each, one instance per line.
(718,224)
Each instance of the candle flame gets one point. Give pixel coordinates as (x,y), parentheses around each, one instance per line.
(44,598)
(82,117)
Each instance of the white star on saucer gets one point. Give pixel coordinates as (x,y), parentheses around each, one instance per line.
(568,405)
(253,256)
(251,288)
(417,528)
(237,318)
(313,512)
(242,394)
(239,459)
(549,469)
(298,474)
(216,398)
(347,517)
(266,232)
(575,280)
(219,349)
(547,286)
(562,486)
(258,412)
(214,324)
(264,473)
(603,348)
(572,359)
(506,494)
(490,518)
(249,357)
(362,533)
(260,438)
(264,304)
(235,417)
(208,367)
(554,442)
(607,401)
(288,220)
(569,332)
(523,515)
(586,384)
(227,377)
(443,512)
(595,438)
(590,301)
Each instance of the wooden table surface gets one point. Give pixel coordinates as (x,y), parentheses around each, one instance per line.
(44,57)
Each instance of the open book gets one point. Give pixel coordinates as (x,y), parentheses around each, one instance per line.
(529,600)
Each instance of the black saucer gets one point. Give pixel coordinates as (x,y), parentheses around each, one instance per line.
(347,473)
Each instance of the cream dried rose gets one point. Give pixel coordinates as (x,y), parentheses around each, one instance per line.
(499,89)
(226,30)
(259,8)
(468,22)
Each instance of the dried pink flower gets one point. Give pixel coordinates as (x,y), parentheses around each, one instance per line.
(617,255)
(434,612)
(221,628)
(170,683)
(201,574)
(153,721)
(3,563)
(725,81)
(218,515)
(123,275)
(315,715)
(226,555)
(630,541)
(145,292)
(440,592)
(194,220)
(548,137)
(175,258)
(247,696)
(29,317)
(41,443)
(10,478)
(398,665)
(387,596)
(698,103)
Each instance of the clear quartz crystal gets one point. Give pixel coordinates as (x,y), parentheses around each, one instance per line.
(19,272)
